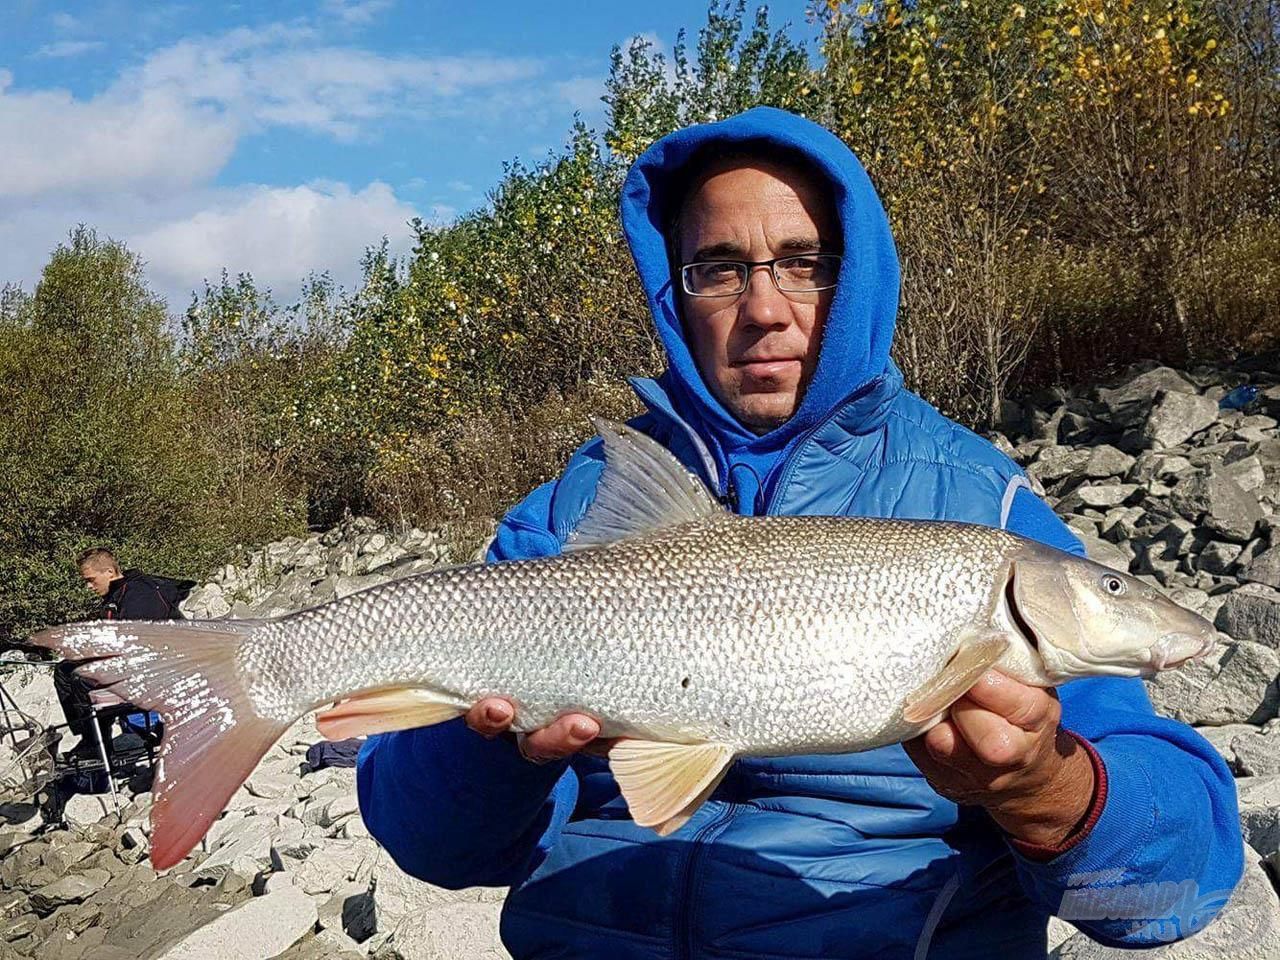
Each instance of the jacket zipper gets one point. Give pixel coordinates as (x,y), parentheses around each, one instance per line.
(685,939)
(788,465)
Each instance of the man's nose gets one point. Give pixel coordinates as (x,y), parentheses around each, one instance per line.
(762,304)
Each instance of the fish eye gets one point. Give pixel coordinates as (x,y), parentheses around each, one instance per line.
(1113,585)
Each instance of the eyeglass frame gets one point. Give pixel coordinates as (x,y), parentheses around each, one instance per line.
(773,273)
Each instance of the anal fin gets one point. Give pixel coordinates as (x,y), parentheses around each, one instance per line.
(974,657)
(665,783)
(381,711)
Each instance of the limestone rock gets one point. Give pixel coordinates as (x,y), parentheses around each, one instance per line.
(1106,461)
(83,809)
(245,849)
(1215,500)
(1251,613)
(1105,495)
(1264,568)
(1175,416)
(256,930)
(1223,737)
(449,931)
(1217,556)
(1055,463)
(1130,402)
(70,889)
(1115,556)
(1234,684)
(1256,754)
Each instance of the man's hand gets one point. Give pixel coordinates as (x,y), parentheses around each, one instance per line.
(560,738)
(1002,748)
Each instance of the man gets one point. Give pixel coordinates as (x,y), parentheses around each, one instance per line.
(126,595)
(772,278)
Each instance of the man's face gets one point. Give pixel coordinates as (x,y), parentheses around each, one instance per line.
(98,580)
(756,351)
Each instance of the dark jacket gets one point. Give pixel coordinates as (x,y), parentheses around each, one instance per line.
(144,596)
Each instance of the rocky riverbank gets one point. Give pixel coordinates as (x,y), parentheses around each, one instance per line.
(1156,476)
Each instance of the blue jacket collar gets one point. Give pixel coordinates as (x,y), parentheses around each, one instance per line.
(860,413)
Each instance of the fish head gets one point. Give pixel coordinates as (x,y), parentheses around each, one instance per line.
(1085,619)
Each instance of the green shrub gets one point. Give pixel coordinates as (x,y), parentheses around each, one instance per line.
(100,443)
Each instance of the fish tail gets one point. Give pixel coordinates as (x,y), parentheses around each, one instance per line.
(188,673)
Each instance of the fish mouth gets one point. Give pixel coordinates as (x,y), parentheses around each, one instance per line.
(1015,615)
(1175,649)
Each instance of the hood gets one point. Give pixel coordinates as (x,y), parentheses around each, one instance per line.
(859,329)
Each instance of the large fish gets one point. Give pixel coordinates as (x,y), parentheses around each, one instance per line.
(695,634)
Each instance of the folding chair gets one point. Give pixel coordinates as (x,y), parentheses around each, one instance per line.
(109,707)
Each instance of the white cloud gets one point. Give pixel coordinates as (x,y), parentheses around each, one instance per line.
(64,21)
(66,48)
(356,11)
(152,140)
(139,159)
(583,95)
(176,119)
(279,234)
(282,76)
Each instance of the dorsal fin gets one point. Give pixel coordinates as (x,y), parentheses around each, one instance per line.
(643,488)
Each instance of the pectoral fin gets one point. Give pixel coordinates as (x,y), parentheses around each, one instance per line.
(664,783)
(381,711)
(974,657)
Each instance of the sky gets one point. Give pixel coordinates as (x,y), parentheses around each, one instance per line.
(286,137)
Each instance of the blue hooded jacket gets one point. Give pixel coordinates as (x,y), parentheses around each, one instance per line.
(845,856)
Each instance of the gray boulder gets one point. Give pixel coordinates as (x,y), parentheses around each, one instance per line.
(256,930)
(1106,461)
(1128,404)
(1104,495)
(1236,684)
(1214,500)
(450,931)
(1256,753)
(70,889)
(1175,416)
(1259,799)
(1055,463)
(1115,556)
(1264,568)
(1247,472)
(1218,556)
(1251,613)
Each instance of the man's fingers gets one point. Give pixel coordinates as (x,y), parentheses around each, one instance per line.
(992,739)
(490,717)
(1022,705)
(562,737)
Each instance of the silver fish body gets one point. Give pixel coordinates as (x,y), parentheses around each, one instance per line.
(772,635)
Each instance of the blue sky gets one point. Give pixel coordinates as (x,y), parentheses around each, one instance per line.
(284,137)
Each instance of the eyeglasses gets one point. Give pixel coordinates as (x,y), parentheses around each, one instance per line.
(805,273)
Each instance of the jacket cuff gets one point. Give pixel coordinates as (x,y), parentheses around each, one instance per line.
(1042,853)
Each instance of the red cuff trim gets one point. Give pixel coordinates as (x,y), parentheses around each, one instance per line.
(1043,853)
